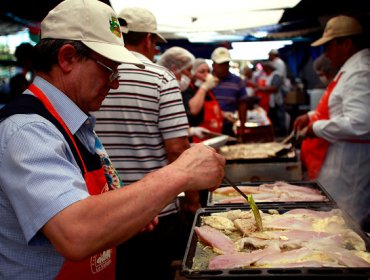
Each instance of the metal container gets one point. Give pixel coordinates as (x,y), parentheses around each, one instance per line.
(266,153)
(193,252)
(266,168)
(214,199)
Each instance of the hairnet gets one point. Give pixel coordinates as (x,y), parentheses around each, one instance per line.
(176,59)
(197,62)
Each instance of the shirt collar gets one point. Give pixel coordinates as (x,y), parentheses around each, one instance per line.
(354,60)
(73,116)
(141,57)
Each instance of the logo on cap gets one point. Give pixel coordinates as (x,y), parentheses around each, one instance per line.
(223,52)
(115,27)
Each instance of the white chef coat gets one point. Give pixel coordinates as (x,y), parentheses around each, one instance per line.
(346,169)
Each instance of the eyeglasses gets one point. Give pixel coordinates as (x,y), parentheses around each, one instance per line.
(114,74)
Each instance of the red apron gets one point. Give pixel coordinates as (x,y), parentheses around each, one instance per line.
(263,95)
(99,266)
(313,150)
(212,119)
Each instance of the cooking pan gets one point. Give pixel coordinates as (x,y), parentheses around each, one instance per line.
(196,253)
(269,156)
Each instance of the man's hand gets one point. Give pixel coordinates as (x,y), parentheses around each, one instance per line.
(301,122)
(150,227)
(202,166)
(310,133)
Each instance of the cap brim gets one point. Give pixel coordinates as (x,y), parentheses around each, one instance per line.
(321,41)
(160,38)
(114,52)
(221,60)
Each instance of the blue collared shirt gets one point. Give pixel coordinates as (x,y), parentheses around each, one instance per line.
(39,177)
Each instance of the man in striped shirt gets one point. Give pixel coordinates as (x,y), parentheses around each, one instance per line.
(230,92)
(143,126)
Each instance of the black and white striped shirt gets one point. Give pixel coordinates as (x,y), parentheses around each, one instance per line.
(136,118)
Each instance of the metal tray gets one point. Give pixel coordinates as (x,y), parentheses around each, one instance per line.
(290,156)
(213,198)
(263,273)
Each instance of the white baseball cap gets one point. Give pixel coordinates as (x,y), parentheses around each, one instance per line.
(339,26)
(273,51)
(140,20)
(221,55)
(92,22)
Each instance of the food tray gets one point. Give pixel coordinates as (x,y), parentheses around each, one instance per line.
(193,250)
(269,157)
(214,198)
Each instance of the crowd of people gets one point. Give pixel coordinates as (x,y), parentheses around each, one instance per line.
(101,168)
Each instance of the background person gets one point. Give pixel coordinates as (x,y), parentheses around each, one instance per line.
(24,55)
(326,72)
(249,80)
(324,69)
(281,68)
(269,89)
(58,219)
(278,63)
(230,92)
(313,150)
(200,103)
(143,126)
(24,74)
(343,124)
(180,62)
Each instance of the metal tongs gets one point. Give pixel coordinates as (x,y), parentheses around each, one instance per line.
(250,200)
(215,134)
(291,140)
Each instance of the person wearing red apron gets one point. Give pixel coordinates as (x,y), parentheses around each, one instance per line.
(201,106)
(101,265)
(263,96)
(313,150)
(212,119)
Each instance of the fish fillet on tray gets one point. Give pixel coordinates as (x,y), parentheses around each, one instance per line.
(271,192)
(306,241)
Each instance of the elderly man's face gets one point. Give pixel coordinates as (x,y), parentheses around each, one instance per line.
(221,70)
(337,50)
(97,77)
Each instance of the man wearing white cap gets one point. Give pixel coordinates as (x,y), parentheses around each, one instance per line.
(281,69)
(340,136)
(230,92)
(144,119)
(58,219)
(278,63)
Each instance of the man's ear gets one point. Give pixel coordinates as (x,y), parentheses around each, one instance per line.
(66,57)
(148,41)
